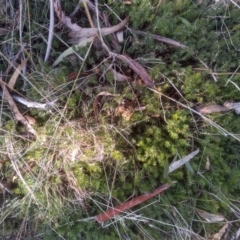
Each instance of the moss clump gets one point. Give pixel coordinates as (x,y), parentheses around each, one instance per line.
(78,166)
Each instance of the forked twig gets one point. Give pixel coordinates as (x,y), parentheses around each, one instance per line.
(18,116)
(77,33)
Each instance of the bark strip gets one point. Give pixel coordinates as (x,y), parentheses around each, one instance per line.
(129,204)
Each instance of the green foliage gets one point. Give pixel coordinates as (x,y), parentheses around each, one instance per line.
(78,167)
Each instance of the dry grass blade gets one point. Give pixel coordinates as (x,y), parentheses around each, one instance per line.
(13,62)
(13,158)
(238,233)
(3,187)
(72,50)
(3,31)
(16,73)
(210,217)
(50,32)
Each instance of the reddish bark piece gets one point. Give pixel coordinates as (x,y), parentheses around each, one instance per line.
(129,204)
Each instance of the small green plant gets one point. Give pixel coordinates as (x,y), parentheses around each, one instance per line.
(94,151)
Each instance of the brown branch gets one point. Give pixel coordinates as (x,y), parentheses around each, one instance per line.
(129,204)
(78,32)
(18,116)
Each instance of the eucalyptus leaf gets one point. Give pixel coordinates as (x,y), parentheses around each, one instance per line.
(185,22)
(72,50)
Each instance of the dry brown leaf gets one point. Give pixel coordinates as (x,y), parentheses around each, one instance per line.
(16,73)
(222,231)
(209,217)
(138,69)
(118,76)
(208,164)
(119,110)
(125,113)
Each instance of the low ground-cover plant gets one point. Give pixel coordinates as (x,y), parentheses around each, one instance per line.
(108,141)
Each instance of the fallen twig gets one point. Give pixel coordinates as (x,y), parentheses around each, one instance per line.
(18,116)
(14,77)
(77,33)
(160,38)
(31,104)
(129,204)
(76,36)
